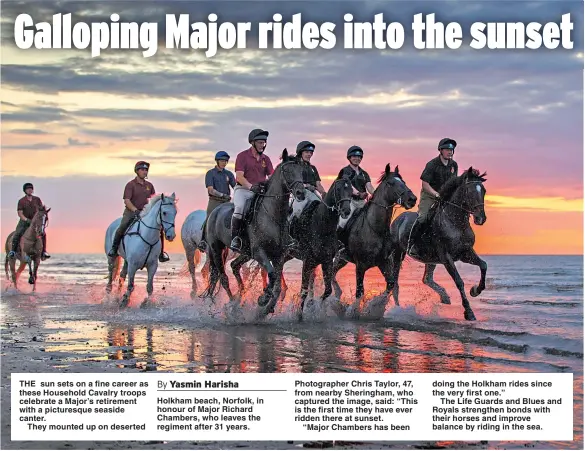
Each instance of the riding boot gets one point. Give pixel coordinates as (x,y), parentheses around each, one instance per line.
(202,246)
(236,244)
(44,254)
(163,257)
(15,245)
(116,244)
(416,233)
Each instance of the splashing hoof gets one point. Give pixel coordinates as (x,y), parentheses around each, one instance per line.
(108,289)
(353,312)
(474,291)
(146,303)
(193,295)
(124,302)
(469,315)
(263,300)
(31,280)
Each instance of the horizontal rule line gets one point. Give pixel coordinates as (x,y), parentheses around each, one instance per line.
(222,390)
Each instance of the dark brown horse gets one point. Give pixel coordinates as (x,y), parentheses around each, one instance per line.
(447,238)
(368,242)
(30,249)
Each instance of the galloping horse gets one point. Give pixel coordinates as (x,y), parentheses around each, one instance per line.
(264,231)
(140,246)
(447,238)
(368,244)
(31,247)
(315,230)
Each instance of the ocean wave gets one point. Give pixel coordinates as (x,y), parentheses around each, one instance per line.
(528,302)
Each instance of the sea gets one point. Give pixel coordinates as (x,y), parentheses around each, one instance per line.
(529,319)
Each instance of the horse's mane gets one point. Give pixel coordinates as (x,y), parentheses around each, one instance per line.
(471,175)
(153,200)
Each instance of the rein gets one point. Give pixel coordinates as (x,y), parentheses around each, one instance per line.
(470,211)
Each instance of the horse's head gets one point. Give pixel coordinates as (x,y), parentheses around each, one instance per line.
(339,196)
(40,220)
(291,176)
(394,189)
(474,194)
(168,212)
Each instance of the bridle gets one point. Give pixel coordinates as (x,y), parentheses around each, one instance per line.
(336,203)
(461,207)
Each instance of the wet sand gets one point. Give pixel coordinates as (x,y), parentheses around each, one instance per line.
(69,328)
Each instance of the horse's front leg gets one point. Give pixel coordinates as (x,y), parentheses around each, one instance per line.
(36,264)
(236,265)
(276,286)
(151,270)
(429,281)
(123,274)
(266,265)
(190,255)
(355,309)
(452,270)
(31,277)
(387,270)
(112,267)
(308,268)
(132,268)
(338,264)
(473,259)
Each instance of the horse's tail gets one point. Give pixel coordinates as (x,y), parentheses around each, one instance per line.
(184,271)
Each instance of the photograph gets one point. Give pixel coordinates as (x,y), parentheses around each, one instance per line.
(351,187)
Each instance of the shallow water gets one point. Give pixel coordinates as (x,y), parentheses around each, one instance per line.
(529,319)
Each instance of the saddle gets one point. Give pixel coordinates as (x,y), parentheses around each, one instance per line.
(343,234)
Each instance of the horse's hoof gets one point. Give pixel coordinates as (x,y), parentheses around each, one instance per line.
(31,280)
(474,291)
(469,316)
(124,302)
(193,295)
(263,300)
(145,303)
(445,300)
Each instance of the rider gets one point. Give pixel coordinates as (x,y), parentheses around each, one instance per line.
(435,174)
(217,181)
(26,210)
(311,179)
(136,195)
(252,168)
(360,181)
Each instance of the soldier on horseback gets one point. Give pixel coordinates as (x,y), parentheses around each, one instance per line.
(311,179)
(136,194)
(361,182)
(26,209)
(435,174)
(218,182)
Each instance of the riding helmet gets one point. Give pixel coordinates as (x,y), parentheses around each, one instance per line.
(26,186)
(355,151)
(305,145)
(221,155)
(141,165)
(257,134)
(447,143)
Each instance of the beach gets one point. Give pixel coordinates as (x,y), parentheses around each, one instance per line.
(529,319)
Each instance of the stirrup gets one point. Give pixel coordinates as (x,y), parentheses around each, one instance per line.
(113,252)
(236,244)
(202,246)
(44,256)
(163,257)
(12,254)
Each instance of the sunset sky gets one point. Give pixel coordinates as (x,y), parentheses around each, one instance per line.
(75,125)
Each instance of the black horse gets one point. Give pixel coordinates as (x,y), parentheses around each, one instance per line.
(264,232)
(447,238)
(368,243)
(315,230)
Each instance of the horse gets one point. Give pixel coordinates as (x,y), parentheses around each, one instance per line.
(367,243)
(140,246)
(315,230)
(191,233)
(448,236)
(31,247)
(264,231)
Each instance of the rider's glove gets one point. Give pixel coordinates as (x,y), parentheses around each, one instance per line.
(255,189)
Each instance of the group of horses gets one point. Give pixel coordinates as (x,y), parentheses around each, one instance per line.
(374,240)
